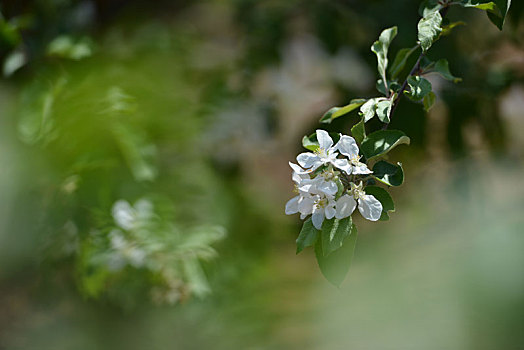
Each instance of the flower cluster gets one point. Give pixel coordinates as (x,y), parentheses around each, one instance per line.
(327,185)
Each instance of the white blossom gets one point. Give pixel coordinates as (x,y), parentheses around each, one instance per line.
(128,217)
(323,208)
(317,191)
(325,154)
(307,189)
(348,147)
(310,190)
(368,205)
(124,252)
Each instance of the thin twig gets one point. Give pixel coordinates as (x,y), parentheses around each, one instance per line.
(415,68)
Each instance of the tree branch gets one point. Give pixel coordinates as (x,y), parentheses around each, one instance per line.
(415,68)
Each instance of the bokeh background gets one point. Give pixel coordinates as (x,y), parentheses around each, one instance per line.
(143,177)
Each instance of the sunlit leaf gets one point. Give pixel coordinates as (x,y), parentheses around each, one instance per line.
(384,110)
(429,6)
(336,112)
(336,265)
(367,110)
(418,88)
(333,233)
(496,9)
(429,29)
(380,48)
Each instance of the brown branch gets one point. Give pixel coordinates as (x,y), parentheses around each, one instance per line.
(415,68)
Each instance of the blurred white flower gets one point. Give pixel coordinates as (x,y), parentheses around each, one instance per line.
(129,217)
(124,252)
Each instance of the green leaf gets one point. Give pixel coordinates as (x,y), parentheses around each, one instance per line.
(367,110)
(446,30)
(336,266)
(393,85)
(336,112)
(308,236)
(389,174)
(429,6)
(13,62)
(381,142)
(196,277)
(418,88)
(384,110)
(482,5)
(311,143)
(384,198)
(496,9)
(379,85)
(429,101)
(399,63)
(340,187)
(333,233)
(442,67)
(359,131)
(429,29)
(498,19)
(380,48)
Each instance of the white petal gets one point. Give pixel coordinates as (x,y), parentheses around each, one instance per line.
(117,239)
(303,216)
(324,140)
(307,160)
(345,206)
(328,187)
(343,165)
(296,178)
(361,169)
(123,214)
(330,211)
(318,219)
(305,205)
(297,169)
(307,187)
(370,208)
(292,206)
(347,146)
